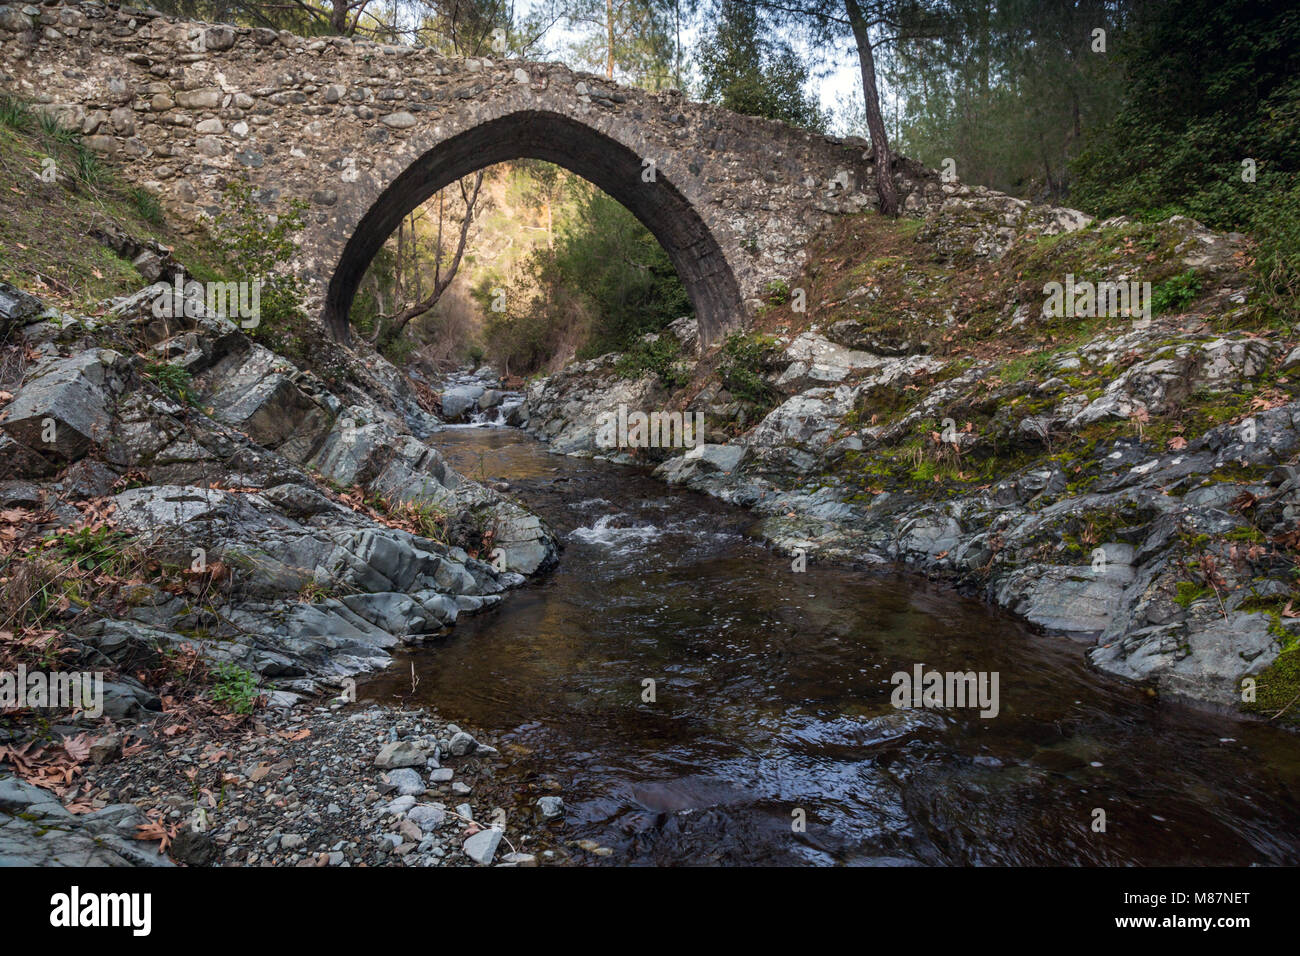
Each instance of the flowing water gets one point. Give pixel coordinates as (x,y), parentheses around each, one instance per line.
(772,704)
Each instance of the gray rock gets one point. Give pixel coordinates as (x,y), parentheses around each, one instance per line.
(406,780)
(549,808)
(461,744)
(17,308)
(399,806)
(457,401)
(482,846)
(724,458)
(427,817)
(105,749)
(400,753)
(70,402)
(15,21)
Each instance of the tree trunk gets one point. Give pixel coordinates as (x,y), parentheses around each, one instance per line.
(875,122)
(609,26)
(339,17)
(399,322)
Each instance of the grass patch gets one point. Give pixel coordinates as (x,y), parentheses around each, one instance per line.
(44,221)
(172,380)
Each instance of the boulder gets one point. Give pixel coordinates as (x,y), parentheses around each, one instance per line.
(17,307)
(271,401)
(407,781)
(401,753)
(66,407)
(461,399)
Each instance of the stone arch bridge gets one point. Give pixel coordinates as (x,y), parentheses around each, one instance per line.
(365,132)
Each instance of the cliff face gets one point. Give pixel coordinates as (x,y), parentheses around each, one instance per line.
(1128,480)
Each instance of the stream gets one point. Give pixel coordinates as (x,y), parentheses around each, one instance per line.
(772,738)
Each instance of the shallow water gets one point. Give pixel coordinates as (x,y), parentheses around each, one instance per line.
(772,704)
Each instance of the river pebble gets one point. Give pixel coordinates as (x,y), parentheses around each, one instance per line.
(329,787)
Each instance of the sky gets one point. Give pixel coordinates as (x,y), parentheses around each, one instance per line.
(840,85)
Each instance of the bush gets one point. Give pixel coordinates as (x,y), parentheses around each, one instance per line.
(100,550)
(660,356)
(258,244)
(1175,294)
(744,359)
(172,380)
(1277,253)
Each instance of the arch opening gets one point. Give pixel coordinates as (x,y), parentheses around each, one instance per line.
(607,164)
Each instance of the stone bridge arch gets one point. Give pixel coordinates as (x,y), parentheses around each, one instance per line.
(524,131)
(363,131)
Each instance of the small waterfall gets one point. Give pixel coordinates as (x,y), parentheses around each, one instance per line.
(475,398)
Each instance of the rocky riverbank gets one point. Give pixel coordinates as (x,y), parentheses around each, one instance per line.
(329,786)
(217,530)
(291,526)
(1128,481)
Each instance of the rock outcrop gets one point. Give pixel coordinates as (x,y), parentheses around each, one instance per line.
(308,534)
(1136,488)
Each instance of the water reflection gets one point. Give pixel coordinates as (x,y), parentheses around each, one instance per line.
(773,698)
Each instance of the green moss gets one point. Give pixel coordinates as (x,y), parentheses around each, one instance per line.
(1189,593)
(1277,688)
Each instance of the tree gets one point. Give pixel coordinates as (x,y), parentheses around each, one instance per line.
(1006,88)
(410,262)
(1210,128)
(826,22)
(631,38)
(339,17)
(884,159)
(746,70)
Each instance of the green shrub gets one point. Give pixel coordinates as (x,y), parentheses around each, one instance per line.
(234,688)
(1175,294)
(172,380)
(778,292)
(662,357)
(744,359)
(1277,253)
(258,243)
